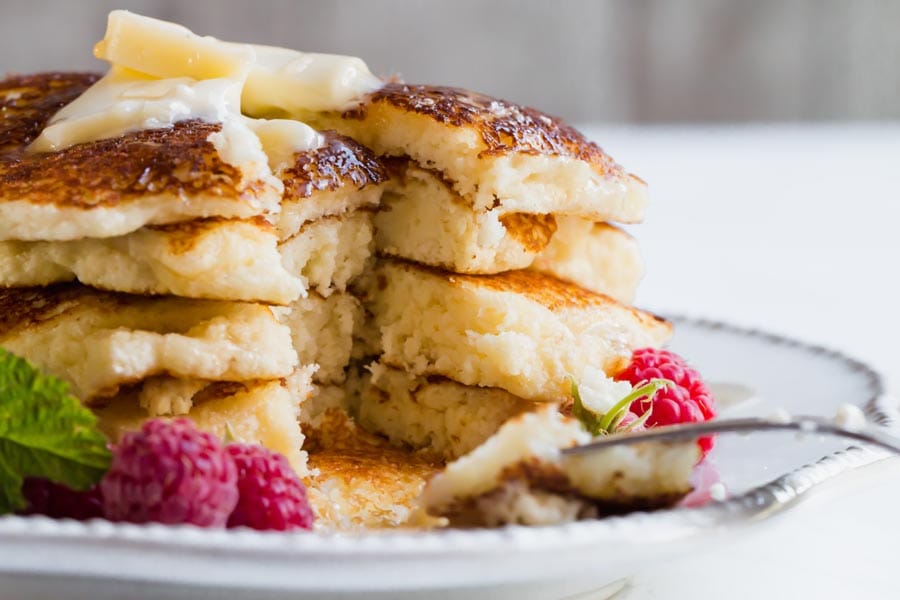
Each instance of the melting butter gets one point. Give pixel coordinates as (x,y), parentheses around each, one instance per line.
(280,139)
(163,73)
(124,101)
(296,83)
(165,50)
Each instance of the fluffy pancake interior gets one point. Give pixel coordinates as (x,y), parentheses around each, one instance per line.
(439,416)
(259,412)
(322,332)
(328,253)
(424,220)
(595,256)
(523,332)
(99,342)
(219,259)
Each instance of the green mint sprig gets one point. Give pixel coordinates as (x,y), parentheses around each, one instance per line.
(44,432)
(611,420)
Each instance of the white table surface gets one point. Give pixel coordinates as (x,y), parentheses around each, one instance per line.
(793,229)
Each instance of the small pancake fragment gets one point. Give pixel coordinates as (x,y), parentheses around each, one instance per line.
(524,332)
(519,476)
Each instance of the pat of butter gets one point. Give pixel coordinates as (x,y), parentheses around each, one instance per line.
(276,80)
(163,73)
(125,101)
(163,50)
(295,83)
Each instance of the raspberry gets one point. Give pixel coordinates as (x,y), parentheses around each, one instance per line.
(272,497)
(54,500)
(169,472)
(688,400)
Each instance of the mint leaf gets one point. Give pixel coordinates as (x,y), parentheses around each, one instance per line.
(44,432)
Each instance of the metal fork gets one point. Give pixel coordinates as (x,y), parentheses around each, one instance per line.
(869,434)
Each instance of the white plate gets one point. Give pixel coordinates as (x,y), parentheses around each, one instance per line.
(41,558)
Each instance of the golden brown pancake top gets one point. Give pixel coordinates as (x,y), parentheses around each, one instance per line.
(504,127)
(339,162)
(178,161)
(548,291)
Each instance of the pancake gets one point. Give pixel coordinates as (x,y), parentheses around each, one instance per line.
(423,219)
(333,180)
(115,186)
(519,476)
(496,154)
(322,332)
(524,332)
(434,415)
(99,342)
(259,412)
(595,256)
(212,258)
(326,254)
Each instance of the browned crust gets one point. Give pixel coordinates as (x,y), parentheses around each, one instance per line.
(547,290)
(28,101)
(504,127)
(177,161)
(339,162)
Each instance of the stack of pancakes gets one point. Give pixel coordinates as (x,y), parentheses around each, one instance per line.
(160,280)
(498,281)
(382,302)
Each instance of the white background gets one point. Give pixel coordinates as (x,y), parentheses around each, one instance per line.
(793,229)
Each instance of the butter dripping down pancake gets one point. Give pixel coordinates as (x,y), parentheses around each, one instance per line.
(115,186)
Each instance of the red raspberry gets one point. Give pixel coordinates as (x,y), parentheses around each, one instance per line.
(688,400)
(272,497)
(169,472)
(54,500)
